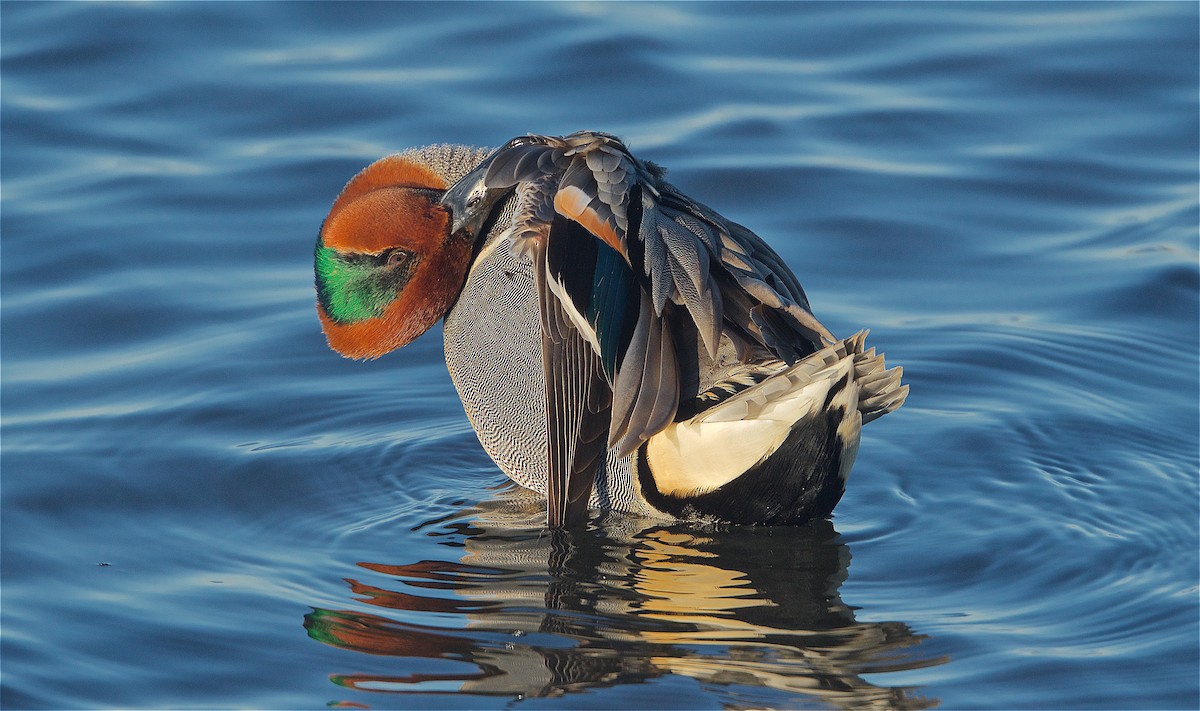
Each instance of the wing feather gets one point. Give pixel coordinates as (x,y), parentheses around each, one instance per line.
(578,401)
(678,259)
(646,391)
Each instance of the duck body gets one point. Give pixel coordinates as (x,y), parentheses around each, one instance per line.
(618,346)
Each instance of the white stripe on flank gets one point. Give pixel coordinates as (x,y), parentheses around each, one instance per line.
(581,324)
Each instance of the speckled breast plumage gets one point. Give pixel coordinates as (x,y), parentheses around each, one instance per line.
(493,353)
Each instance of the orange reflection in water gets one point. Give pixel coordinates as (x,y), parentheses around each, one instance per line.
(533,613)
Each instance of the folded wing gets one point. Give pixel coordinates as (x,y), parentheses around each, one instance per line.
(620,255)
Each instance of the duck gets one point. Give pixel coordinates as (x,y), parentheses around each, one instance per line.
(617,345)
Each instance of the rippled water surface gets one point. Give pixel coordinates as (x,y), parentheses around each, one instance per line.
(203,506)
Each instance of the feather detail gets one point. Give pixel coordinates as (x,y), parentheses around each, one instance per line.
(678,260)
(574,203)
(744,420)
(578,399)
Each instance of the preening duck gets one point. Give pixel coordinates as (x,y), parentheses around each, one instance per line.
(616,344)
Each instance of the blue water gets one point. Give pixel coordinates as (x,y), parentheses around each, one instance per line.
(203,506)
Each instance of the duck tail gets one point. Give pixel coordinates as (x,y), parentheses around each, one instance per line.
(880,391)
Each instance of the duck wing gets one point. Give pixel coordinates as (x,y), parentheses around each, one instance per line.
(620,255)
(578,396)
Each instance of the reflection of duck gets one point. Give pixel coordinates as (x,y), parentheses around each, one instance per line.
(664,357)
(751,613)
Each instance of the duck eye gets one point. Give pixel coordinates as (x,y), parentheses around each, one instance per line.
(397,257)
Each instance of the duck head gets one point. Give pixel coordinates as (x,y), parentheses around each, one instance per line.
(471,200)
(388,263)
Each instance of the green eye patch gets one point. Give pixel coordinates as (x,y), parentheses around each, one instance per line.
(354,287)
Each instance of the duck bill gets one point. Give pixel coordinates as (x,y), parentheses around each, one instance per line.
(470,201)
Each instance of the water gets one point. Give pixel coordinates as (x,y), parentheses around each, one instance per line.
(205,507)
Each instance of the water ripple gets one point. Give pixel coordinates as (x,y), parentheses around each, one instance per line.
(536,615)
(191,480)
